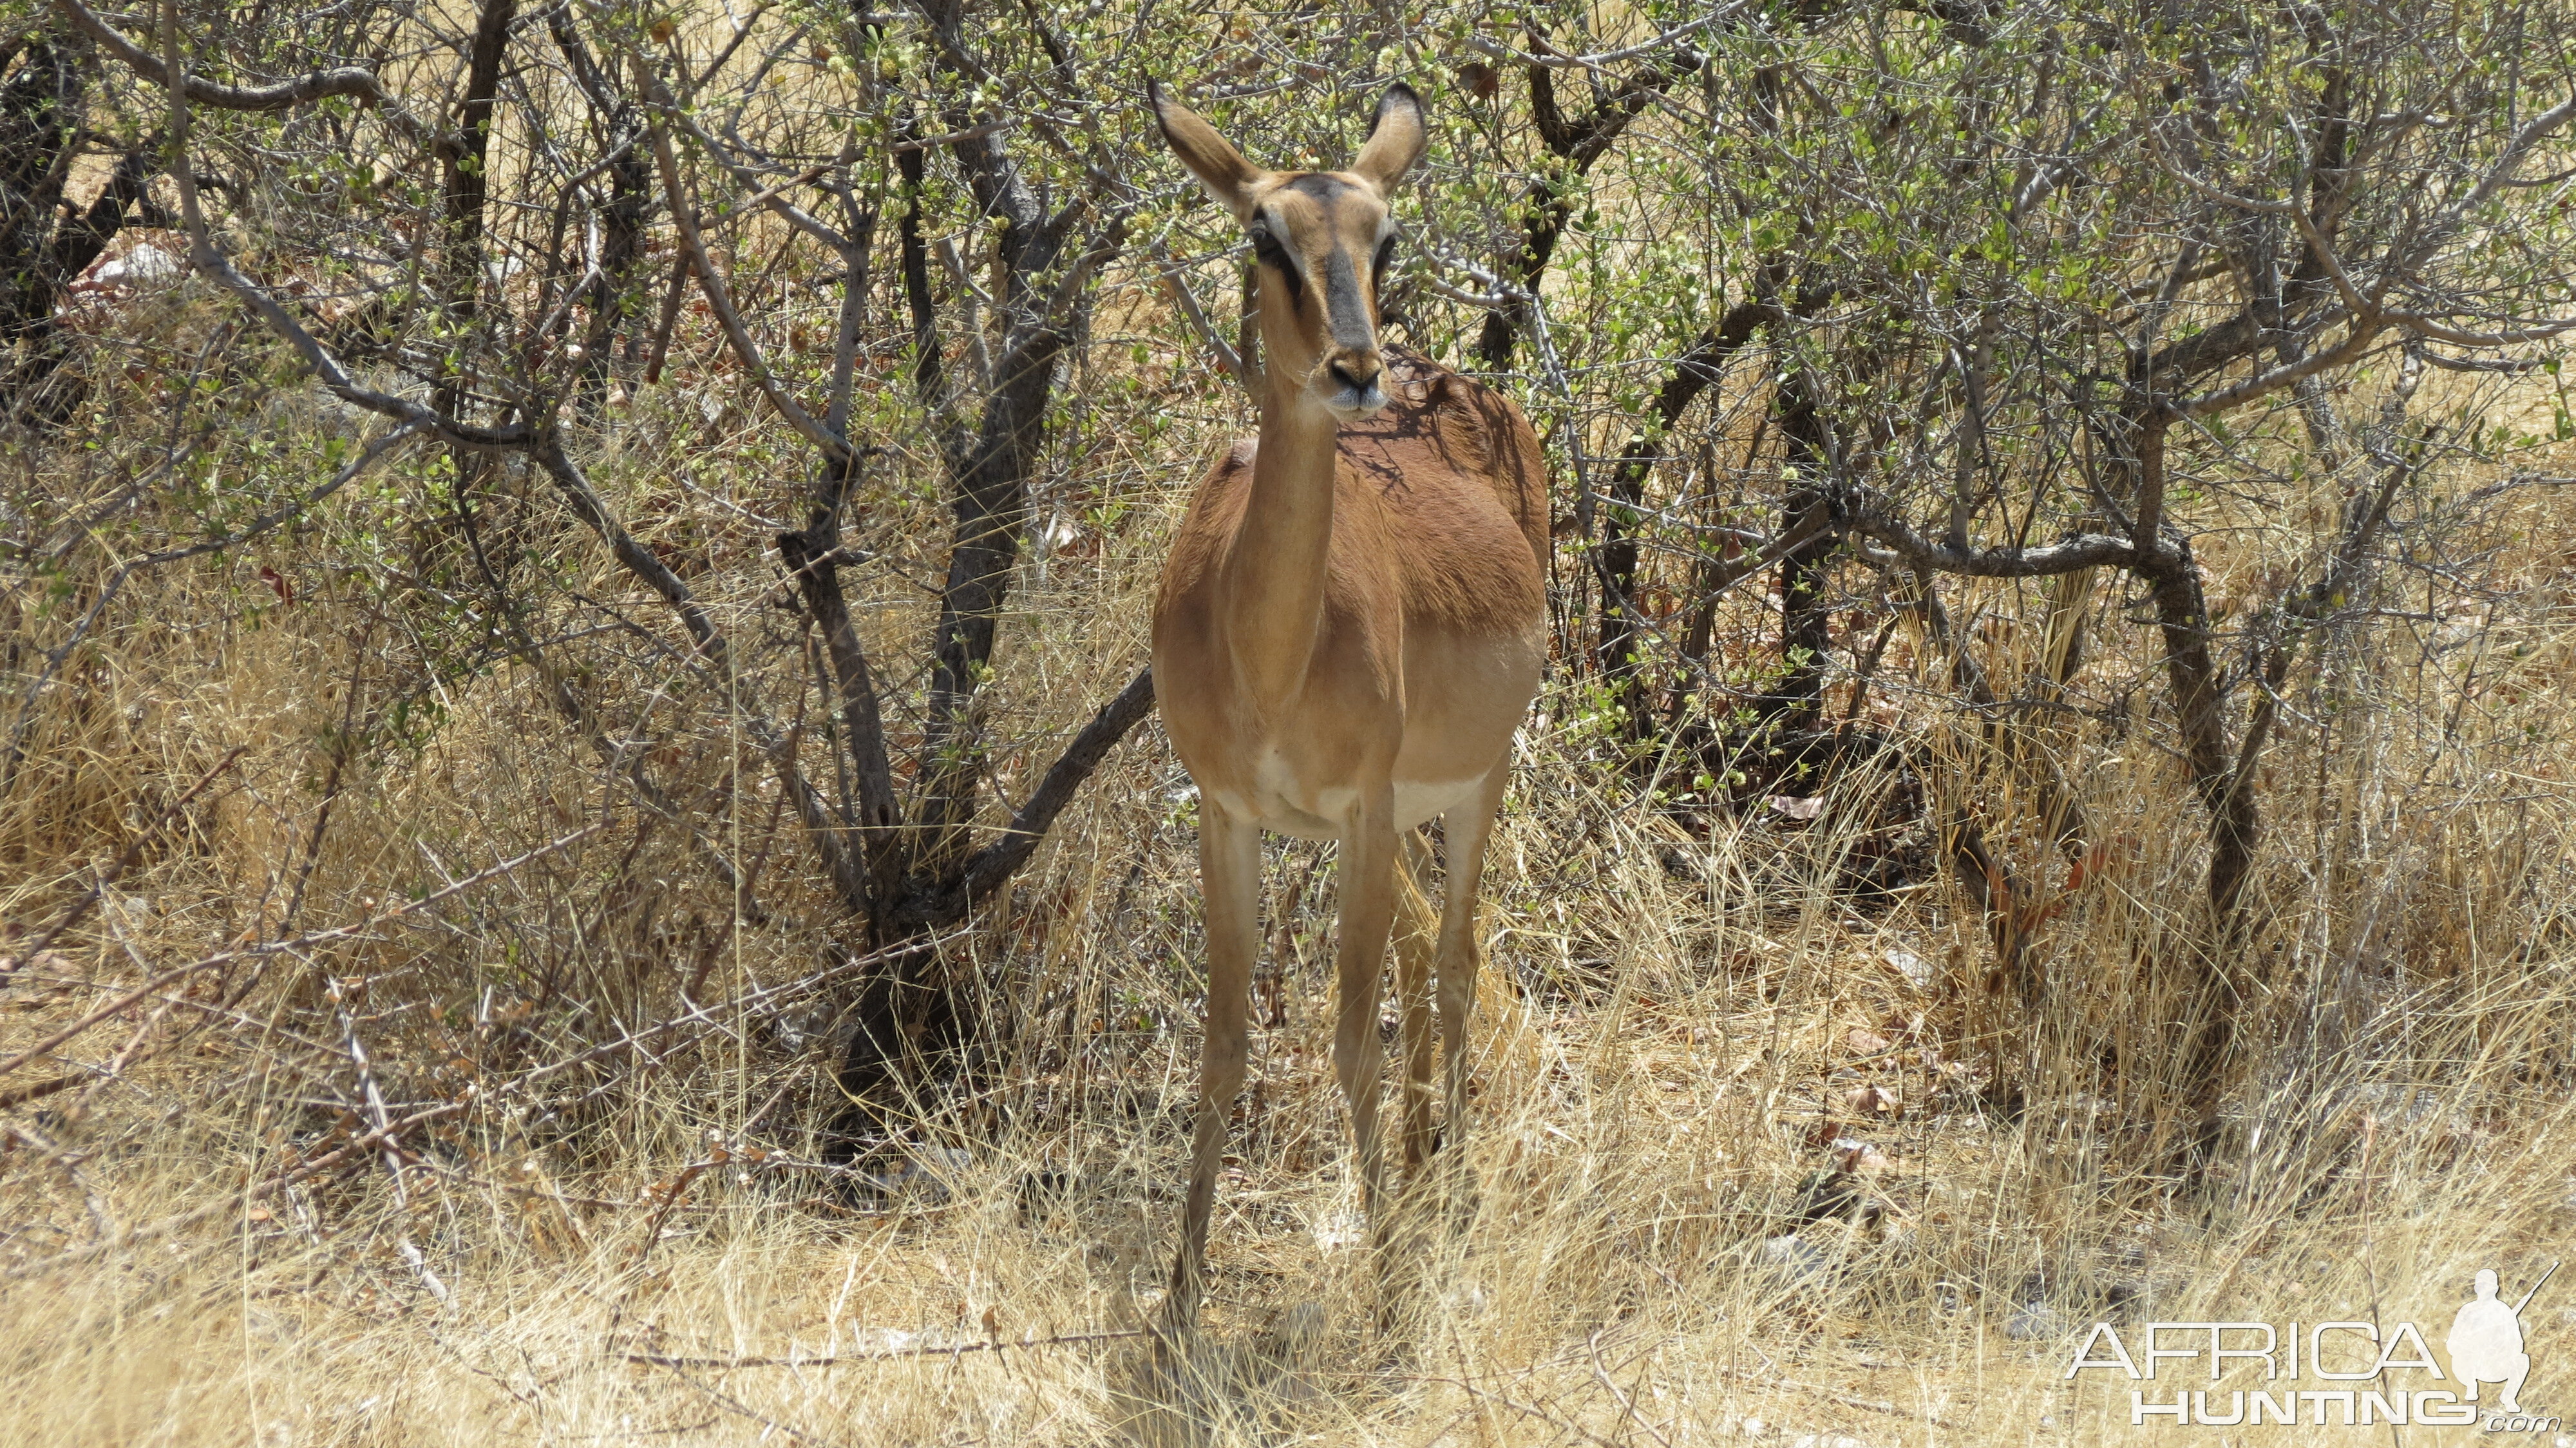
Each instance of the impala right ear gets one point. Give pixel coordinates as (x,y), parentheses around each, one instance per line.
(1220,168)
(1396,138)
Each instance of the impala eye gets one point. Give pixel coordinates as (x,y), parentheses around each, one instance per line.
(1267,250)
(1385,259)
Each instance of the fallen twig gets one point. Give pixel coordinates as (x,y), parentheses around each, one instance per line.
(1834,1395)
(278,947)
(1526,1410)
(371,1141)
(1601,1375)
(124,861)
(38,1090)
(1062,1339)
(736,1405)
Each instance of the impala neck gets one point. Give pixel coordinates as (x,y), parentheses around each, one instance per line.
(1274,593)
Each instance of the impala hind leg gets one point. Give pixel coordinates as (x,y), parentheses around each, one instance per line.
(1230,883)
(1367,908)
(1416,943)
(1467,828)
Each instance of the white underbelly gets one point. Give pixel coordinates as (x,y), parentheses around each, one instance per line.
(1284,804)
(1419,800)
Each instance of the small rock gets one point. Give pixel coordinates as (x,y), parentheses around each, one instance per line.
(1798,1263)
(2035,1322)
(925,1177)
(1295,1336)
(1340,1229)
(1865,1042)
(1862,1159)
(1870,1101)
(146,263)
(45,962)
(1911,966)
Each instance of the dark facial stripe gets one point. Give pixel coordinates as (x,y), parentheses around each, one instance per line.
(1345,310)
(1346,313)
(1325,189)
(1270,246)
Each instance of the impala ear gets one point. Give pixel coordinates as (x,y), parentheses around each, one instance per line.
(1220,168)
(1395,140)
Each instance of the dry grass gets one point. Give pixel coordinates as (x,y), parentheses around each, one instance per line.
(1698,1042)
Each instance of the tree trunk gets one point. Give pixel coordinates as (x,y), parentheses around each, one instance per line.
(1695,372)
(462,159)
(1795,703)
(40,117)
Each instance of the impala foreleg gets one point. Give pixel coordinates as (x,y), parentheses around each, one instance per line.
(1467,829)
(1415,944)
(1367,908)
(1230,883)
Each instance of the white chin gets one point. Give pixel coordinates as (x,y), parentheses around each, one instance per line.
(1346,406)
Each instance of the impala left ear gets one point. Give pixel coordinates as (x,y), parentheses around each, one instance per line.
(1211,157)
(1396,138)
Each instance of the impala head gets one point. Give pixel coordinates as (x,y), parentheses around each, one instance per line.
(1321,238)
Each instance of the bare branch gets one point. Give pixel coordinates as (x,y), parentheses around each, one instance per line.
(2417,322)
(773,196)
(1182,297)
(283,947)
(719,299)
(2361,333)
(1557,60)
(996,862)
(347,81)
(2508,162)
(1872,519)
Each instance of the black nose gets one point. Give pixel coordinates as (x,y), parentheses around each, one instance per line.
(1342,375)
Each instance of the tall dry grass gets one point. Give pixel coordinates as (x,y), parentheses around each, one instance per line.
(1758,1154)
